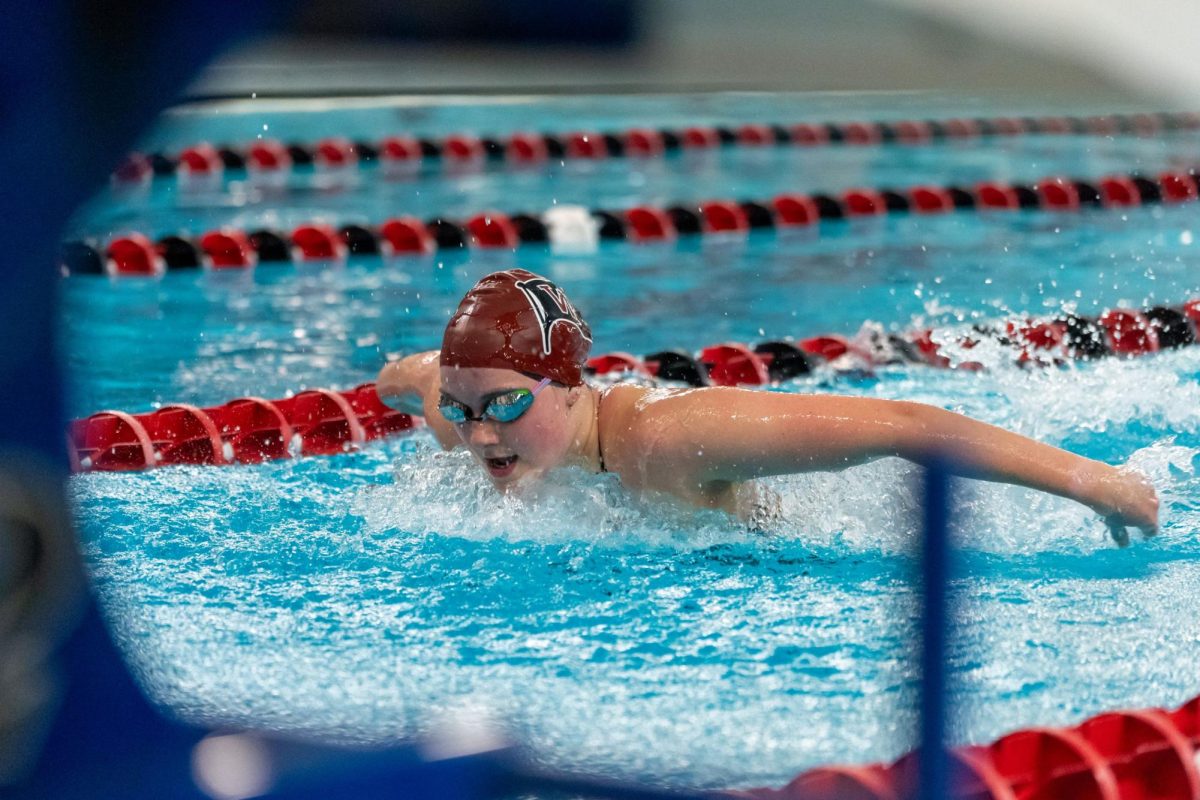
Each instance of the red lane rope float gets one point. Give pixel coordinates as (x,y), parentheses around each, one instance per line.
(247,430)
(324,422)
(1120,755)
(317,242)
(648,224)
(462,149)
(336,153)
(200,160)
(252,430)
(1051,763)
(267,156)
(135,255)
(228,250)
(111,441)
(1149,757)
(1186,720)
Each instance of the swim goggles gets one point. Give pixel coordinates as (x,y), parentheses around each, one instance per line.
(507,407)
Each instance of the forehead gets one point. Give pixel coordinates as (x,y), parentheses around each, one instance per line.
(468,383)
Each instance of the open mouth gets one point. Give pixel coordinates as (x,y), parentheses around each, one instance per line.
(499,467)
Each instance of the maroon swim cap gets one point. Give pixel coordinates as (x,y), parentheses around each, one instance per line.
(520,321)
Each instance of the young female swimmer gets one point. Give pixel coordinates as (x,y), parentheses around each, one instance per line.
(508,384)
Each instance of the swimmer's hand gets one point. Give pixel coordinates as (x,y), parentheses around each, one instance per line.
(1126,499)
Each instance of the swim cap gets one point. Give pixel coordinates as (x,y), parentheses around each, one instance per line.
(520,321)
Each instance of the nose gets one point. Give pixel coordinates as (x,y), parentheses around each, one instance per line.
(482,434)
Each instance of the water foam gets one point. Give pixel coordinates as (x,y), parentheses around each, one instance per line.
(874,508)
(447,493)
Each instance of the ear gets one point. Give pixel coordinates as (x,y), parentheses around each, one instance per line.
(574,393)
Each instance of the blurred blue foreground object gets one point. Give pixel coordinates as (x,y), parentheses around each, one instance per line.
(81,80)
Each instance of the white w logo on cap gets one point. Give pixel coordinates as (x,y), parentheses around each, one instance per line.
(551,306)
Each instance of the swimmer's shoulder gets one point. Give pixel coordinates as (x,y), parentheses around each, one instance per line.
(620,404)
(616,417)
(630,406)
(631,429)
(620,395)
(643,442)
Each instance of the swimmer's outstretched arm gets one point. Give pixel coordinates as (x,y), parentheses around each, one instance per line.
(735,435)
(413,385)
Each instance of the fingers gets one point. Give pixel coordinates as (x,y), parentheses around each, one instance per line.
(1116,529)
(1150,528)
(1138,508)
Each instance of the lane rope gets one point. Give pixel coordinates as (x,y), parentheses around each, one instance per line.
(1117,755)
(250,430)
(578,229)
(403,155)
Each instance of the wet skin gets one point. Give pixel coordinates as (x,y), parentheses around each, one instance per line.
(706,445)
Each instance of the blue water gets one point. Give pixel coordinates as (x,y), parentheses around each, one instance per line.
(367,596)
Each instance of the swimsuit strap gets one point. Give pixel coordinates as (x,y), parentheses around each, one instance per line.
(599,440)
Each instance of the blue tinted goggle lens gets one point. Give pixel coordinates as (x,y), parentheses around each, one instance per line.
(452,412)
(510,406)
(507,407)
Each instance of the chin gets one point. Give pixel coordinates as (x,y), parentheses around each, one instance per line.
(520,477)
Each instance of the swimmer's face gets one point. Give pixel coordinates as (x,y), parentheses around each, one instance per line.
(535,442)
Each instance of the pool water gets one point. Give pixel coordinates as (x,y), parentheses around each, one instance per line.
(364,597)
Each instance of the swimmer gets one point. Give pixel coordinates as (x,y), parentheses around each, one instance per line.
(508,385)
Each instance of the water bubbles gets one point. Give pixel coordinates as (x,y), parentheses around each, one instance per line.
(448,494)
(1185,238)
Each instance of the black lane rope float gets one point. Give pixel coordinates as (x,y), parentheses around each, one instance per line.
(576,227)
(405,154)
(324,422)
